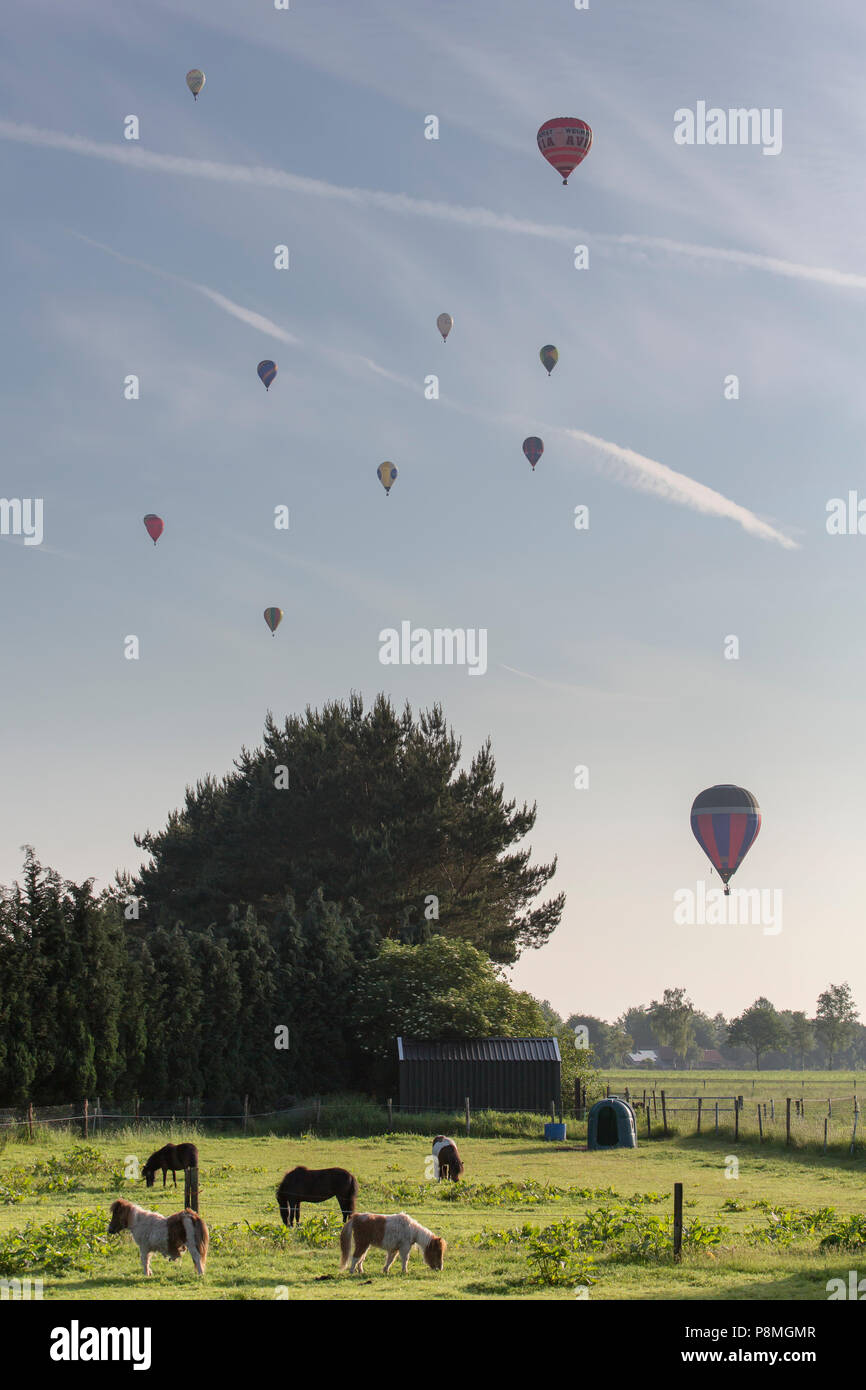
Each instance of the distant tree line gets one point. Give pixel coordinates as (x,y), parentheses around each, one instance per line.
(762,1036)
(349,881)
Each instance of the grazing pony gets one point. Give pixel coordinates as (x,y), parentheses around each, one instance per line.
(445,1152)
(393,1234)
(316,1185)
(169,1159)
(163,1235)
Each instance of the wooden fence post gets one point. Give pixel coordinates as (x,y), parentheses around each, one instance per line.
(648,1124)
(190,1188)
(700,1107)
(736,1122)
(826,1123)
(664,1115)
(829,1105)
(468,1116)
(854,1131)
(137,1112)
(760,1124)
(678,1221)
(788,1120)
(773,1111)
(30,1117)
(85,1118)
(717,1117)
(390,1113)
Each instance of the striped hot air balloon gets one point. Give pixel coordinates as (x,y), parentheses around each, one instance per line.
(725,822)
(565,142)
(549,357)
(273,618)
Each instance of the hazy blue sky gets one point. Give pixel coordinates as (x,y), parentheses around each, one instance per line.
(605,647)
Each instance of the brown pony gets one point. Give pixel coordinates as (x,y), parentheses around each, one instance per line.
(316,1185)
(169,1159)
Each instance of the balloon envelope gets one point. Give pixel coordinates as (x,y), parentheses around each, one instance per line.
(533,447)
(444,323)
(386,473)
(725,822)
(565,142)
(273,618)
(154,526)
(549,357)
(267,371)
(195,80)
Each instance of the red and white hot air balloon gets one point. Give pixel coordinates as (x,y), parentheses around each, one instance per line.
(565,141)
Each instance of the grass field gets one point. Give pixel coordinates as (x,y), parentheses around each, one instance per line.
(55,1193)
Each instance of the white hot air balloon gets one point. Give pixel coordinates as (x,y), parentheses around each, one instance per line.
(195,80)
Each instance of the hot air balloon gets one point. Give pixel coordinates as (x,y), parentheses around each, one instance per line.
(267,371)
(725,823)
(195,80)
(533,447)
(387,474)
(154,526)
(444,323)
(549,357)
(564,141)
(273,618)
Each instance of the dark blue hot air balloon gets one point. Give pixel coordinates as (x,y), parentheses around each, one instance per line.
(725,822)
(267,371)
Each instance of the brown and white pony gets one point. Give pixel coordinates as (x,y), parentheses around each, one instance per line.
(395,1235)
(161,1235)
(169,1159)
(447,1157)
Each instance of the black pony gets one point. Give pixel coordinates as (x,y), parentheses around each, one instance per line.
(316,1185)
(169,1159)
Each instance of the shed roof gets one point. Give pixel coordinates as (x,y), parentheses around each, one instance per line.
(479,1050)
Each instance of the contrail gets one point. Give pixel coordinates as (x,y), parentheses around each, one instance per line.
(262,177)
(650,476)
(238,311)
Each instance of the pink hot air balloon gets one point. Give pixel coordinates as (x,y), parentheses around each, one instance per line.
(565,142)
(154,526)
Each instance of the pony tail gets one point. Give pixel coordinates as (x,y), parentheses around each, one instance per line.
(346,1242)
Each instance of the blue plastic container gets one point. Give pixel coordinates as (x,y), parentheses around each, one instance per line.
(554,1131)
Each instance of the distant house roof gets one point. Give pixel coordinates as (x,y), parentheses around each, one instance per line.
(479,1050)
(637,1057)
(713,1057)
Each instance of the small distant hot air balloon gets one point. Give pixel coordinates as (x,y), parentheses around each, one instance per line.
(444,323)
(725,822)
(387,474)
(267,371)
(273,618)
(565,142)
(154,526)
(195,80)
(549,357)
(533,447)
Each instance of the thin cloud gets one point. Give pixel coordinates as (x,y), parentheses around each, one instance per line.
(262,177)
(577,689)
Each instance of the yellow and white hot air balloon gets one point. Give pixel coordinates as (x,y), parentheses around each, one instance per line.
(195,80)
(387,474)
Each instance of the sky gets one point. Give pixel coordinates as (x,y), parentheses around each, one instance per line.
(606,647)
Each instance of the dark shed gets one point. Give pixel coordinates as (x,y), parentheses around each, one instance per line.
(495,1073)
